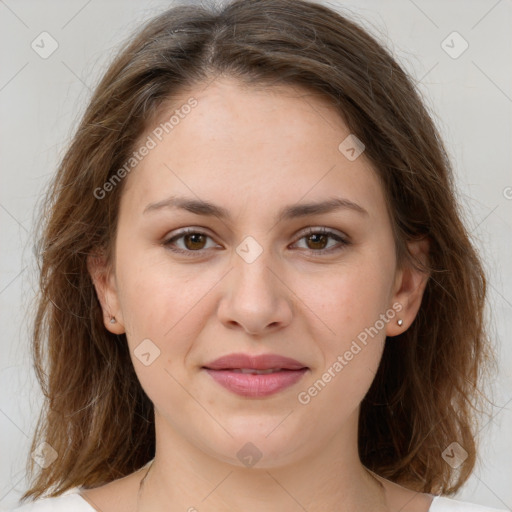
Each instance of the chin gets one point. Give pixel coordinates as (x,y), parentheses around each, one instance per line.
(256,448)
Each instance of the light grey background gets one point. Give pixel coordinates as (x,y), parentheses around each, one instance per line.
(41,101)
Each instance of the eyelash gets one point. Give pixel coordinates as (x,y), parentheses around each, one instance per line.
(311,231)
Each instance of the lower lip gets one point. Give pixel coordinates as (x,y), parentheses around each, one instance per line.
(253,385)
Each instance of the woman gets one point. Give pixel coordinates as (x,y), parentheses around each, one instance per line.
(256,289)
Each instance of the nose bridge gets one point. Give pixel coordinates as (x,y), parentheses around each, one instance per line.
(254,297)
(253,262)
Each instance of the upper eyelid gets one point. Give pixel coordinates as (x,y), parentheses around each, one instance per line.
(302,232)
(299,235)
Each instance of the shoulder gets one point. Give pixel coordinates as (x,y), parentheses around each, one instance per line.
(116,495)
(70,500)
(443,504)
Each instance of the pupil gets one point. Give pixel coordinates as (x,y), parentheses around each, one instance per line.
(196,238)
(191,237)
(318,236)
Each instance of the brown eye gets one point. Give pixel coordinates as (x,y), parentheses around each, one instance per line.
(317,240)
(191,240)
(194,241)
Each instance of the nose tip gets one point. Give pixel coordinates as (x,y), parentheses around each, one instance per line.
(254,301)
(258,328)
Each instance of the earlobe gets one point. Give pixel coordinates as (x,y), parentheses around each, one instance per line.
(106,291)
(410,284)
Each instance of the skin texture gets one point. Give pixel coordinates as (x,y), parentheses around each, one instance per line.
(254,151)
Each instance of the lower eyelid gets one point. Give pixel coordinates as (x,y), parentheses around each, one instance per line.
(173,239)
(330,234)
(341,241)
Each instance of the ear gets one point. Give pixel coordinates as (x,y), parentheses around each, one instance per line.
(409,287)
(104,282)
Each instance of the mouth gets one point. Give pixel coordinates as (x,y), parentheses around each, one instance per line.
(255,376)
(252,371)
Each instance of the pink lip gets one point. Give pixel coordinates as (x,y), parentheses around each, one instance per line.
(253,385)
(261,362)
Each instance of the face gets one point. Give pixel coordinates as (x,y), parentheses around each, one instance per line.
(262,275)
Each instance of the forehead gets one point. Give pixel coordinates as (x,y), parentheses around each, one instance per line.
(248,146)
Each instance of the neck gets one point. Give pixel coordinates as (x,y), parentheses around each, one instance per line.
(188,479)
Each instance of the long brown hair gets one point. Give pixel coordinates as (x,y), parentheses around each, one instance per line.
(427,390)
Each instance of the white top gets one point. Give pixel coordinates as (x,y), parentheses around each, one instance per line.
(71,501)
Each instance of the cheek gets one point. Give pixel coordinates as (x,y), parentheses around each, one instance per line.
(347,300)
(162,302)
(350,353)
(350,333)
(162,311)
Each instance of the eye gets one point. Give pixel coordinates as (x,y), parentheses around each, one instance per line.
(318,239)
(193,240)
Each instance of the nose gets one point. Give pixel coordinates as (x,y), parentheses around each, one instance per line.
(255,297)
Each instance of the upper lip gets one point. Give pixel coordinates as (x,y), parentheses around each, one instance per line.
(259,362)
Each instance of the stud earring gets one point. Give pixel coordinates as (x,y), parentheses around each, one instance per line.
(113,320)
(400,322)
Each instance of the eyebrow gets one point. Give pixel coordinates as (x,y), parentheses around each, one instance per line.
(200,207)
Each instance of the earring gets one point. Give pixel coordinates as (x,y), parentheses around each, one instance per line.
(400,322)
(113,320)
